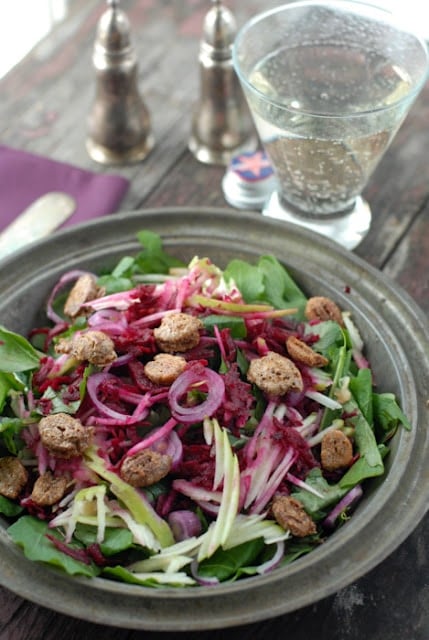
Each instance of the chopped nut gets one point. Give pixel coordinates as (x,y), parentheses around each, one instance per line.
(49,489)
(290,515)
(84,290)
(321,308)
(13,477)
(301,352)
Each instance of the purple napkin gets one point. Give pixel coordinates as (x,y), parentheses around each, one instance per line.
(26,176)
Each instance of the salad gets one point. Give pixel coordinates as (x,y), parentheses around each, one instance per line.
(179,425)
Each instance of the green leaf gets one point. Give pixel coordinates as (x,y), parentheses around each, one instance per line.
(370,462)
(124,267)
(115,539)
(9,508)
(30,534)
(153,258)
(16,353)
(114,285)
(268,281)
(58,404)
(280,288)
(361,388)
(235,324)
(9,430)
(224,565)
(248,278)
(330,336)
(9,382)
(388,416)
(150,241)
(299,547)
(317,506)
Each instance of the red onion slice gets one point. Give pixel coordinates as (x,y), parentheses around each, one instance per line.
(347,502)
(92,386)
(184,383)
(203,580)
(275,560)
(68,277)
(184,524)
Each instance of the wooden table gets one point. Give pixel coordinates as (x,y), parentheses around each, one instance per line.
(43,108)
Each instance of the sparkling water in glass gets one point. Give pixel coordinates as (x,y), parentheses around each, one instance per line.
(328,84)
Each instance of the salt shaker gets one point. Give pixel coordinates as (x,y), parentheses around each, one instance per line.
(119,130)
(222,125)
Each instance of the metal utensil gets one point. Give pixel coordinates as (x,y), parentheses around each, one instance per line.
(43,216)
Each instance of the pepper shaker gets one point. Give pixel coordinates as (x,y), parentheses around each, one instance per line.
(222,125)
(119,130)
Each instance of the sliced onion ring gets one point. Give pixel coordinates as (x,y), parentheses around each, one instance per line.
(347,502)
(275,560)
(203,580)
(182,384)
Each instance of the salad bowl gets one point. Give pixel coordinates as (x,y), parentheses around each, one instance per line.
(396,339)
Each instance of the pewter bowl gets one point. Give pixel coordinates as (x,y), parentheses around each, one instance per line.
(397,338)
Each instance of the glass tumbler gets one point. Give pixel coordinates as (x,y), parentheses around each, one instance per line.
(328,84)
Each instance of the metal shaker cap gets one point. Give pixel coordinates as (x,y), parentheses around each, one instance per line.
(249,180)
(113,31)
(219,31)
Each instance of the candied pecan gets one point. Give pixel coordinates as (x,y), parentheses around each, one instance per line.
(49,489)
(301,352)
(290,515)
(84,290)
(321,308)
(13,477)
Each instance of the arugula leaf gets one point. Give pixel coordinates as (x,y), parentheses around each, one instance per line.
(280,289)
(370,462)
(361,388)
(58,405)
(235,324)
(153,258)
(268,281)
(388,416)
(30,534)
(248,278)
(9,430)
(16,353)
(317,505)
(115,539)
(330,336)
(224,564)
(9,508)
(299,547)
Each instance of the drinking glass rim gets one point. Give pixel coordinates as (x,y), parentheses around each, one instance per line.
(380,11)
